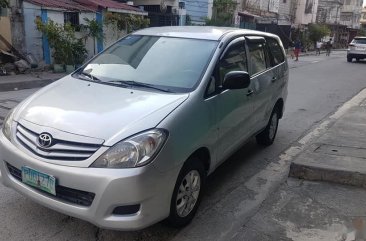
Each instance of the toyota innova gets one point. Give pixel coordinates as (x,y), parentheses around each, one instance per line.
(128,139)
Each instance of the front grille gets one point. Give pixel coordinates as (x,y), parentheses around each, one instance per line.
(60,150)
(67,194)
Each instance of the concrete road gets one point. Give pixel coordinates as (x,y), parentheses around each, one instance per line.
(236,190)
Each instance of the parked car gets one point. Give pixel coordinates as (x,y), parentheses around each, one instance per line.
(128,139)
(357,49)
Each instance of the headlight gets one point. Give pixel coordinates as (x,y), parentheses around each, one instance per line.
(136,151)
(8,121)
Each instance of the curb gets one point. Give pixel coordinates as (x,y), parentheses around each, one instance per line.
(10,86)
(315,165)
(315,173)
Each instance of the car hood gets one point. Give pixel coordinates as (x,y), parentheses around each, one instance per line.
(96,110)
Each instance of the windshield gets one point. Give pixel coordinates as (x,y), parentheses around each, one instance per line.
(175,64)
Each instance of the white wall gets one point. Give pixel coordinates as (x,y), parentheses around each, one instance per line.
(111,34)
(89,43)
(303,18)
(33,38)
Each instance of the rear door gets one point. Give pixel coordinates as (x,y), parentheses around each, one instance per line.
(262,79)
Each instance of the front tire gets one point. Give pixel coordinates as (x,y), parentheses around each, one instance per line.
(268,135)
(349,59)
(187,193)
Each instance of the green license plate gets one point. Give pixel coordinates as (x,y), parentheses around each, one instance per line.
(39,180)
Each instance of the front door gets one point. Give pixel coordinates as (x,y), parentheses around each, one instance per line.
(234,108)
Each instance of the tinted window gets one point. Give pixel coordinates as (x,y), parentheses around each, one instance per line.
(257,57)
(276,51)
(234,60)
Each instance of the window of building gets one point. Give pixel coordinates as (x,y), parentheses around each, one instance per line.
(257,57)
(72,18)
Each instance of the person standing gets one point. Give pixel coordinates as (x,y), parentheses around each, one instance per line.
(318,47)
(291,49)
(328,47)
(297,49)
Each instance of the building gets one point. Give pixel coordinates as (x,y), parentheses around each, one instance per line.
(274,16)
(160,12)
(197,10)
(28,40)
(363,19)
(329,11)
(305,12)
(351,13)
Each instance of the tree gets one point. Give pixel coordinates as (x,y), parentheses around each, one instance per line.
(222,13)
(4,3)
(361,32)
(126,22)
(317,32)
(95,30)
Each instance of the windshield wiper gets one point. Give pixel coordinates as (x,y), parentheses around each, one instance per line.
(139,84)
(90,76)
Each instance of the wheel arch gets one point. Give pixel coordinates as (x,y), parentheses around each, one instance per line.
(280,105)
(203,154)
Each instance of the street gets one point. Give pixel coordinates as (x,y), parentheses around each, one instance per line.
(235,192)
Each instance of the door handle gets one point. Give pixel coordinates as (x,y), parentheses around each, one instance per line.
(274,79)
(250,92)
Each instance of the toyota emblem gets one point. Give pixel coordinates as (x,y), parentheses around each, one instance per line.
(45,140)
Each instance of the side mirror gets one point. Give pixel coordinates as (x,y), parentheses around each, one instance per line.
(236,80)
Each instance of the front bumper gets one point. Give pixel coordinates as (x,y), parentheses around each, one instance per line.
(146,186)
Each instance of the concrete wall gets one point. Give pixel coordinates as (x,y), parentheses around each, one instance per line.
(33,38)
(303,18)
(111,34)
(17,25)
(284,13)
(351,13)
(5,31)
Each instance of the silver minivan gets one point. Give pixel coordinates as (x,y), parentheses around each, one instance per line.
(128,139)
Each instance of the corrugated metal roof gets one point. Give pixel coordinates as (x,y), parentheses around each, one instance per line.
(85,5)
(108,4)
(62,4)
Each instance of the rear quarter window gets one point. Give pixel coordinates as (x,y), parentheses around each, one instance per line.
(275,51)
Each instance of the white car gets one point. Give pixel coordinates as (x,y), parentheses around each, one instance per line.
(128,139)
(357,49)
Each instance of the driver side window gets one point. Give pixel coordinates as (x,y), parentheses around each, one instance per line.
(235,59)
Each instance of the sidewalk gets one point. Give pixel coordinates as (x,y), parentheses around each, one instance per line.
(307,209)
(313,52)
(28,81)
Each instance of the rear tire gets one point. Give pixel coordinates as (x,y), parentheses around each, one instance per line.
(349,59)
(187,193)
(268,135)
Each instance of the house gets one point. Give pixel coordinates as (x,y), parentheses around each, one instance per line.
(198,11)
(306,12)
(27,39)
(160,12)
(363,19)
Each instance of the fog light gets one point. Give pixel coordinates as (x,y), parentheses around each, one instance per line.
(126,210)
